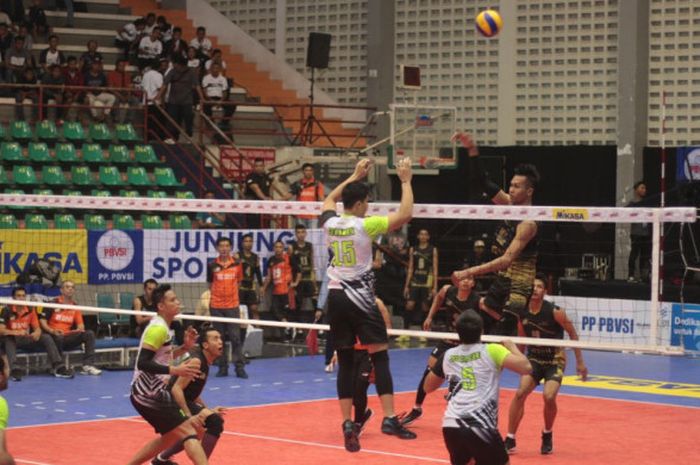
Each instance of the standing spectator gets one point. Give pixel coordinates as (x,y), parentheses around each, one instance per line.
(640,236)
(257,187)
(6,38)
(279,275)
(151,83)
(121,78)
(28,39)
(176,46)
(72,95)
(308,189)
(29,93)
(129,36)
(51,55)
(215,87)
(166,29)
(150,21)
(216,57)
(150,49)
(19,327)
(53,96)
(91,55)
(99,100)
(67,329)
(202,44)
(70,10)
(37,19)
(17,59)
(223,275)
(180,84)
(15,9)
(210,220)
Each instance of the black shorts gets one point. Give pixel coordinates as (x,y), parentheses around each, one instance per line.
(547,371)
(306,289)
(279,306)
(419,294)
(164,415)
(349,322)
(497,294)
(248,297)
(441,348)
(484,446)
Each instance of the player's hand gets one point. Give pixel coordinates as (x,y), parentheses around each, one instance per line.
(35,336)
(467,142)
(318,316)
(404,170)
(582,370)
(427,324)
(220,410)
(461,275)
(362,169)
(58,332)
(405,293)
(190,338)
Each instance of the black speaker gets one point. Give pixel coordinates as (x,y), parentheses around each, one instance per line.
(318,52)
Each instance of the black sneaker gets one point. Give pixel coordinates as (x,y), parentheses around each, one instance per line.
(546,443)
(392,426)
(240,372)
(16,374)
(413,415)
(222,373)
(510,445)
(63,372)
(350,433)
(157,461)
(363,421)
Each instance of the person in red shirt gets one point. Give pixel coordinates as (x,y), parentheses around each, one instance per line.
(67,328)
(73,77)
(279,274)
(224,275)
(120,78)
(308,189)
(19,328)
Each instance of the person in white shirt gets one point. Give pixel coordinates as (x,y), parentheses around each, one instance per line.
(202,44)
(150,49)
(150,22)
(216,57)
(129,35)
(216,89)
(151,82)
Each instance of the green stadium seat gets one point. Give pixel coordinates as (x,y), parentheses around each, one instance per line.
(8,221)
(53,176)
(119,154)
(100,134)
(180,222)
(138,176)
(11,151)
(112,321)
(185,195)
(126,134)
(152,221)
(126,300)
(65,153)
(110,176)
(35,221)
(23,175)
(73,131)
(3,176)
(157,194)
(145,155)
(39,152)
(21,131)
(122,221)
(95,222)
(43,192)
(93,154)
(46,131)
(16,192)
(71,193)
(129,193)
(81,176)
(100,193)
(65,221)
(3,132)
(165,177)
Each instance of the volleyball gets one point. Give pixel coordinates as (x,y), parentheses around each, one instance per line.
(489,23)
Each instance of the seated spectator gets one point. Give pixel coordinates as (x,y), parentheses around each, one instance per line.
(14,8)
(202,44)
(121,78)
(28,94)
(181,83)
(20,329)
(6,38)
(137,323)
(216,57)
(91,55)
(37,19)
(5,18)
(53,96)
(100,100)
(28,39)
(193,61)
(67,329)
(51,55)
(211,220)
(166,29)
(150,22)
(71,96)
(150,49)
(17,59)
(129,36)
(176,45)
(215,87)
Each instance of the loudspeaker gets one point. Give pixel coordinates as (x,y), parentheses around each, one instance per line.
(318,52)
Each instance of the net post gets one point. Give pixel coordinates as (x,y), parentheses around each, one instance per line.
(655,277)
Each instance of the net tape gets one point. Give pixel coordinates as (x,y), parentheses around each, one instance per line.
(432,211)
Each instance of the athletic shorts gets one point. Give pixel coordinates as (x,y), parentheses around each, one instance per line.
(279,306)
(497,295)
(248,297)
(441,348)
(484,446)
(419,294)
(163,414)
(547,371)
(349,322)
(306,289)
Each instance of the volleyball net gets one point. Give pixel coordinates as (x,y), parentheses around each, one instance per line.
(583,251)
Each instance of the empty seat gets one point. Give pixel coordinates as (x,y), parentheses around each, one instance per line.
(72,192)
(100,133)
(110,176)
(152,221)
(93,154)
(165,177)
(3,176)
(180,222)
(157,194)
(119,154)
(3,132)
(81,176)
(122,221)
(11,151)
(145,155)
(185,195)
(125,133)
(16,192)
(128,193)
(39,152)
(46,131)
(43,192)
(21,131)
(8,221)
(100,193)
(73,131)
(65,221)
(95,222)
(138,176)
(53,176)
(35,221)
(66,153)
(23,175)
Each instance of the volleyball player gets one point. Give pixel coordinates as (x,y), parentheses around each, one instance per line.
(301,254)
(187,393)
(507,297)
(454,299)
(470,423)
(545,320)
(421,279)
(247,290)
(351,305)
(150,395)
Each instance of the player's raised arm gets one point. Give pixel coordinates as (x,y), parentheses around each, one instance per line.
(476,169)
(405,211)
(564,321)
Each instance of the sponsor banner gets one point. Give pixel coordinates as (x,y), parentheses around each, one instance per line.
(20,248)
(644,386)
(685,326)
(578,214)
(116,256)
(688,164)
(181,256)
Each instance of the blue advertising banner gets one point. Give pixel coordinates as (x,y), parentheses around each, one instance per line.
(688,164)
(115,256)
(685,326)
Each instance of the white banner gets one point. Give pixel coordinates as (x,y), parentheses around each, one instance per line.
(181,256)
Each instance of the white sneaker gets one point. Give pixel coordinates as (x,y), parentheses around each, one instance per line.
(90,370)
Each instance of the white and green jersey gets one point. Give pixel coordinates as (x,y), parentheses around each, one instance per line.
(349,239)
(159,336)
(473,372)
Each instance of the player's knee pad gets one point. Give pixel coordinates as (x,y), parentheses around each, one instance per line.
(214,424)
(345,382)
(382,381)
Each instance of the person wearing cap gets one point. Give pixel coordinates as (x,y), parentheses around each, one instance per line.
(100,101)
(478,255)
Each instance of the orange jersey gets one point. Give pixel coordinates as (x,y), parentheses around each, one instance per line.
(280,271)
(224,278)
(62,319)
(310,191)
(19,318)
